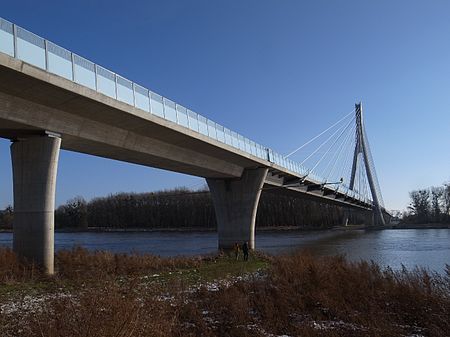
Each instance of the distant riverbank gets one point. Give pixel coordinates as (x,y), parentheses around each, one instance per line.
(262,229)
(419,226)
(182,229)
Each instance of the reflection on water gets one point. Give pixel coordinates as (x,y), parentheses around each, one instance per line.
(429,248)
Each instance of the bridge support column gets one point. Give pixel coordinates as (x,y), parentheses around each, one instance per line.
(236,202)
(35,162)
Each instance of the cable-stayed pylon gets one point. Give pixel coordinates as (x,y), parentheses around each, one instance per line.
(362,149)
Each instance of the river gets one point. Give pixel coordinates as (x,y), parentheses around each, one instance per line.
(428,248)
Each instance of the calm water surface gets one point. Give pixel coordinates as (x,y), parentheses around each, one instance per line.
(429,248)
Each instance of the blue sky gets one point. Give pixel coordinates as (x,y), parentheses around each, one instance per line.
(278,72)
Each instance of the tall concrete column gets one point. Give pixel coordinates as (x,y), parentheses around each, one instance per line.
(35,162)
(236,202)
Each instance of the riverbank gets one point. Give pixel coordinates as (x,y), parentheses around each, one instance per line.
(419,226)
(103,294)
(261,230)
(172,230)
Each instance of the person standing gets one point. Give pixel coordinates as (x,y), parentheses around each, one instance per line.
(236,249)
(245,250)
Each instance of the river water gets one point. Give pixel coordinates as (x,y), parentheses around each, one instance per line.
(429,248)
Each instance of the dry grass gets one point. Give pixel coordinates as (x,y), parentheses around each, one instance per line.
(302,294)
(299,295)
(81,264)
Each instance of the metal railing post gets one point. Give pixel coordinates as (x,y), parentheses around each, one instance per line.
(15,40)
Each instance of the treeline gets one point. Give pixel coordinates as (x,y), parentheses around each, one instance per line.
(183,208)
(6,218)
(430,205)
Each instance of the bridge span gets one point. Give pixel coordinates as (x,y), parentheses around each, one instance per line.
(52,99)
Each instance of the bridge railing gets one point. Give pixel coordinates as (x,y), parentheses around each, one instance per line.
(26,46)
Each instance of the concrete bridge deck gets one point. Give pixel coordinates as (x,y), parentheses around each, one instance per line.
(33,102)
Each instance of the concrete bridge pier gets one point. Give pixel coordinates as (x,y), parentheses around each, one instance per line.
(35,163)
(236,203)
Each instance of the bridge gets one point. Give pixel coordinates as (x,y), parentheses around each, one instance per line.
(52,99)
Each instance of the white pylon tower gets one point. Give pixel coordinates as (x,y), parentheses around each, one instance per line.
(362,147)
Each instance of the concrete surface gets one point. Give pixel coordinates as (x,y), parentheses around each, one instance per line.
(236,203)
(35,164)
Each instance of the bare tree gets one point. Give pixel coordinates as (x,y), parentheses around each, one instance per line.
(420,205)
(436,200)
(446,200)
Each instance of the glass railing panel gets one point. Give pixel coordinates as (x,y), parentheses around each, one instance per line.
(257,150)
(141,98)
(228,137)
(169,110)
(235,139)
(106,82)
(84,71)
(202,125)
(265,153)
(275,157)
(193,120)
(182,115)
(253,147)
(241,142)
(30,48)
(220,133)
(125,90)
(212,129)
(156,104)
(247,145)
(6,37)
(59,61)
(259,153)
